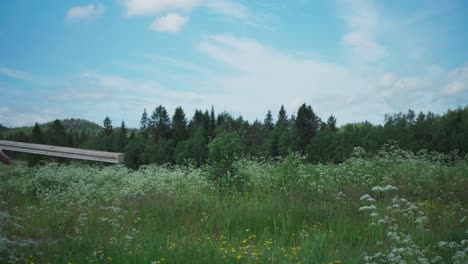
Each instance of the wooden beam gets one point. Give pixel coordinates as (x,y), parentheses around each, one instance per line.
(63,152)
(4,158)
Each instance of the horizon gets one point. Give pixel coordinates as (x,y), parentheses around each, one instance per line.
(357,60)
(116,124)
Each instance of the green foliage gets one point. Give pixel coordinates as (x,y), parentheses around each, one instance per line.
(179,126)
(392,207)
(160,124)
(108,129)
(38,138)
(3,128)
(133,153)
(223,151)
(182,141)
(305,126)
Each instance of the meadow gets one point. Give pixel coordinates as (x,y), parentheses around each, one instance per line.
(391,207)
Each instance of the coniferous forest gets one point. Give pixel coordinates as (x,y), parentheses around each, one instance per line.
(163,138)
(213,188)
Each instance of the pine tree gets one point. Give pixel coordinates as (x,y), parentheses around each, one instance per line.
(268,122)
(108,126)
(38,138)
(160,124)
(144,122)
(56,135)
(122,139)
(212,127)
(179,126)
(282,118)
(331,123)
(306,125)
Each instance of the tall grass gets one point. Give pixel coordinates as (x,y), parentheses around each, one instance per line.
(394,207)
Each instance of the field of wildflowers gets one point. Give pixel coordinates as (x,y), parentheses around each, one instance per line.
(392,207)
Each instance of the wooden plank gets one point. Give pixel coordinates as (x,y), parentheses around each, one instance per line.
(64,152)
(4,158)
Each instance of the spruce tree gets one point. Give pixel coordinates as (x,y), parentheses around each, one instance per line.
(268,122)
(38,138)
(179,126)
(306,125)
(282,121)
(107,126)
(122,139)
(144,122)
(160,124)
(331,123)
(57,135)
(212,126)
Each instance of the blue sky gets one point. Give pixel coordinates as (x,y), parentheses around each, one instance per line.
(356,59)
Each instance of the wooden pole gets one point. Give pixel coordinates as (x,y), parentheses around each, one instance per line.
(63,152)
(4,158)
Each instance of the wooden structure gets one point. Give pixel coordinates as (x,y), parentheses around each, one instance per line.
(63,152)
(4,158)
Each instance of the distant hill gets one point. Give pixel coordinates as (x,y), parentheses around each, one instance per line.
(71,125)
(76,125)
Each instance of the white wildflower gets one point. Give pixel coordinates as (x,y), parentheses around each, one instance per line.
(365,197)
(367,207)
(384,189)
(442,244)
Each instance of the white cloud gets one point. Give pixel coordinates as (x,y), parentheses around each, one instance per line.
(156,7)
(86,12)
(171,23)
(279,78)
(457,82)
(362,21)
(16,74)
(168,11)
(229,8)
(15,117)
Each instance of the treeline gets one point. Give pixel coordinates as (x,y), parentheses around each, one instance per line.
(176,139)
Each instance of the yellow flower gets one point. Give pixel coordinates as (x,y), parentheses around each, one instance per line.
(109,258)
(239,257)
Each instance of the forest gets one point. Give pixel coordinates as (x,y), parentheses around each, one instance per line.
(162,139)
(219,189)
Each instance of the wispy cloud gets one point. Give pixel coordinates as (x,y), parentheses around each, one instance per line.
(22,117)
(86,12)
(171,23)
(362,20)
(280,78)
(172,15)
(157,7)
(457,82)
(16,74)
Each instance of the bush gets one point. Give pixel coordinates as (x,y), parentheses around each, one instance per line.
(223,151)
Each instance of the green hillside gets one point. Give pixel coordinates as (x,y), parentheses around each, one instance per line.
(71,125)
